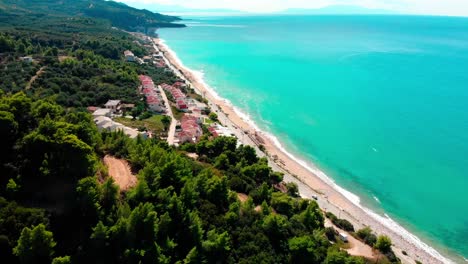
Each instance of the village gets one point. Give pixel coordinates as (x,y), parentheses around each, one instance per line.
(183,115)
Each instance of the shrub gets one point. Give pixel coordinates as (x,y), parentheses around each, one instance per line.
(341,223)
(331,233)
(366,235)
(383,244)
(345,224)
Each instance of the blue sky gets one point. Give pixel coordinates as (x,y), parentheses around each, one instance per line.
(427,7)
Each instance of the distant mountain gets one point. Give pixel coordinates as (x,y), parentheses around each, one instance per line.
(337,10)
(119,14)
(175,9)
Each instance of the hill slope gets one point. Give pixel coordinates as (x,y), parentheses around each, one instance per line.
(118,14)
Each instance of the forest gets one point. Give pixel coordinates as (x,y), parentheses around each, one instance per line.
(58,203)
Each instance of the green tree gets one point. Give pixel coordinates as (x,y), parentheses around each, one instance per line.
(293,189)
(367,235)
(213,116)
(383,244)
(166,121)
(217,246)
(35,245)
(305,249)
(61,260)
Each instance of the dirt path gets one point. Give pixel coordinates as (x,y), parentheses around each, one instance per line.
(119,170)
(38,73)
(357,248)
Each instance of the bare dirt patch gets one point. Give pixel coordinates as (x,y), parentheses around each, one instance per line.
(120,171)
(242,197)
(62,58)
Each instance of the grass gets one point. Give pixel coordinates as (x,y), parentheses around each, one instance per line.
(208,121)
(177,113)
(153,123)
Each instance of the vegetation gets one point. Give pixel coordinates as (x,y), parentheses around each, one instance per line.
(57,203)
(154,123)
(366,235)
(383,244)
(118,14)
(341,223)
(180,210)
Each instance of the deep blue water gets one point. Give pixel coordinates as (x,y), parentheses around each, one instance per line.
(380,103)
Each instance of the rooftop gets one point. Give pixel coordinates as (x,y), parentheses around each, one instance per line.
(112,103)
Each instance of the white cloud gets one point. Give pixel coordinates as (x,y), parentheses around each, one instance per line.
(429,7)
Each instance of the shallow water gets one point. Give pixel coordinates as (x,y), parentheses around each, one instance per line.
(380,103)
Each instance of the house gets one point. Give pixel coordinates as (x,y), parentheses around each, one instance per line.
(26,59)
(220,131)
(197,107)
(92,109)
(127,107)
(113,105)
(191,131)
(181,105)
(153,96)
(179,84)
(129,56)
(147,58)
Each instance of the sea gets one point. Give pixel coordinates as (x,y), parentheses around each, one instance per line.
(378,103)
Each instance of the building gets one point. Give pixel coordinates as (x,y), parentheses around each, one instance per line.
(92,109)
(181,105)
(26,59)
(177,95)
(129,56)
(147,58)
(220,131)
(152,94)
(113,105)
(191,130)
(197,107)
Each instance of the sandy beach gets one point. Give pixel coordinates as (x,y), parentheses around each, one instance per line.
(311,181)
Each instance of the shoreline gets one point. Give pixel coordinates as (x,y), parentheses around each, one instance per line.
(310,179)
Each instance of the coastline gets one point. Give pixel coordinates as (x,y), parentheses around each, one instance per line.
(310,179)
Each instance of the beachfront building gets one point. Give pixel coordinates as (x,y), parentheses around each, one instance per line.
(160,64)
(113,106)
(152,94)
(129,56)
(179,84)
(197,107)
(190,129)
(220,131)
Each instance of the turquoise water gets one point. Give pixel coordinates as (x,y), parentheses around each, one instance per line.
(380,103)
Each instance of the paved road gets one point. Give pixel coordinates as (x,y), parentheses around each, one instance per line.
(172,127)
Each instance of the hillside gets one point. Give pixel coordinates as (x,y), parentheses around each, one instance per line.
(117,14)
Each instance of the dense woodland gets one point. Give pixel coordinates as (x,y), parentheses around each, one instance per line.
(117,14)
(58,204)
